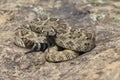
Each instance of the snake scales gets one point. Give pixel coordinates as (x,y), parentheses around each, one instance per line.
(55,37)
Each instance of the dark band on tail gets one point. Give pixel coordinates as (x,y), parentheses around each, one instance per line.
(39,47)
(36,46)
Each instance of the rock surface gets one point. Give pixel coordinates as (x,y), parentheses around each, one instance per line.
(102,63)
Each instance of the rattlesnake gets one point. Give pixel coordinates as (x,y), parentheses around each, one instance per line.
(55,38)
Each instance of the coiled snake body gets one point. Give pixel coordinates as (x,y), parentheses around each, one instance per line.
(55,38)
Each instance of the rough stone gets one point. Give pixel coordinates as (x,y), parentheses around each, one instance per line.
(102,63)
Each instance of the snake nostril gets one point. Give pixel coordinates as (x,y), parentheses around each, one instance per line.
(87,44)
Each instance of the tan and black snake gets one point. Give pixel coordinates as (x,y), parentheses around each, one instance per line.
(55,37)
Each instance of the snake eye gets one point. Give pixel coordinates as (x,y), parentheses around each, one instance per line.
(87,38)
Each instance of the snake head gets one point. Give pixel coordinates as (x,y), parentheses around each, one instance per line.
(49,32)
